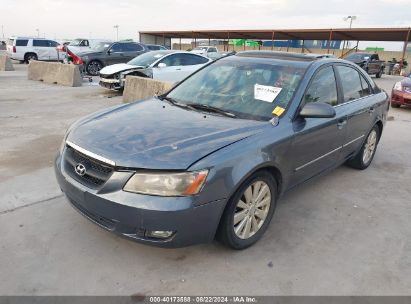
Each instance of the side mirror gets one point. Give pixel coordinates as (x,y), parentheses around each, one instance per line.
(161,65)
(317,110)
(109,52)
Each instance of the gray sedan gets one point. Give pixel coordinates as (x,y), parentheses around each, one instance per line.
(210,158)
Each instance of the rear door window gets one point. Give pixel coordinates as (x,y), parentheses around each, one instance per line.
(133,47)
(323,87)
(22,42)
(41,43)
(351,83)
(191,59)
(366,88)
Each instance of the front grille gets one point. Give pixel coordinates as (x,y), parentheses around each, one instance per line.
(97,172)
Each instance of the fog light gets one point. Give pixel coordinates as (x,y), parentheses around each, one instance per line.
(158,234)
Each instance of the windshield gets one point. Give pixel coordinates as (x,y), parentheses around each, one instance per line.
(357,56)
(75,42)
(101,46)
(248,89)
(200,49)
(146,59)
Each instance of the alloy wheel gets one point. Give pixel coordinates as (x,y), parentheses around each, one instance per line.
(93,68)
(252,210)
(369,147)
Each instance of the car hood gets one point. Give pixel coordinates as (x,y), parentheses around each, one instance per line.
(120,67)
(153,134)
(406,82)
(356,61)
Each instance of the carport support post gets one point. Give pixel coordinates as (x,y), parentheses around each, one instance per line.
(272,40)
(329,41)
(180,43)
(356,47)
(302,47)
(405,48)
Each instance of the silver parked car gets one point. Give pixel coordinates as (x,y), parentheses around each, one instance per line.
(163,65)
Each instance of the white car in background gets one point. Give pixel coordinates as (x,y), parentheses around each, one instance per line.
(208,51)
(81,44)
(29,48)
(171,66)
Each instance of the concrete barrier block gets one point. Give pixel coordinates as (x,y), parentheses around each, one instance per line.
(56,73)
(5,63)
(137,88)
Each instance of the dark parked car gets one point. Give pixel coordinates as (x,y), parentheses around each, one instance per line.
(401,93)
(108,53)
(370,62)
(212,156)
(155,47)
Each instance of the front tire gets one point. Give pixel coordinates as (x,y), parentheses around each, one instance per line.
(379,74)
(366,154)
(249,211)
(94,67)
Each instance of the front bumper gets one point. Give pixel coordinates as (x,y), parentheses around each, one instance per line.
(401,97)
(132,215)
(111,84)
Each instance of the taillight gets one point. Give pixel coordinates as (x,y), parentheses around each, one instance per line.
(14,49)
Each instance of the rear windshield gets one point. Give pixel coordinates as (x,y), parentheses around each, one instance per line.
(251,89)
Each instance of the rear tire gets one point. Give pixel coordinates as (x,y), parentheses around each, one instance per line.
(366,154)
(249,211)
(395,105)
(379,74)
(29,57)
(93,67)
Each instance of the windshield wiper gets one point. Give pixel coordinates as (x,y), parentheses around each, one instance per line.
(172,101)
(207,108)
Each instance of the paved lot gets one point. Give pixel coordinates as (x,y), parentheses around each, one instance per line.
(346,233)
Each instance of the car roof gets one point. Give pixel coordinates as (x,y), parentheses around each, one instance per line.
(165,52)
(23,37)
(277,55)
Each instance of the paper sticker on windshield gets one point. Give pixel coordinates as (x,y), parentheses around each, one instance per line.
(278,111)
(266,93)
(158,55)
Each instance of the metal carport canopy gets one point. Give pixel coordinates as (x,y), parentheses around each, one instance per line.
(360,34)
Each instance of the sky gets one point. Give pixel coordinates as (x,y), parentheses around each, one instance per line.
(68,19)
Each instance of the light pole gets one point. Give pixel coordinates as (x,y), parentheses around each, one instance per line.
(2,31)
(38,32)
(116,27)
(351,20)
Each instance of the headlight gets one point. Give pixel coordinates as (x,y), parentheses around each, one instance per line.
(398,86)
(167,184)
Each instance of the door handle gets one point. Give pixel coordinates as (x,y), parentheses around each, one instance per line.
(371,110)
(341,123)
(179,69)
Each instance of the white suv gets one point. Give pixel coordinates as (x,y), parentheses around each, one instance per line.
(27,48)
